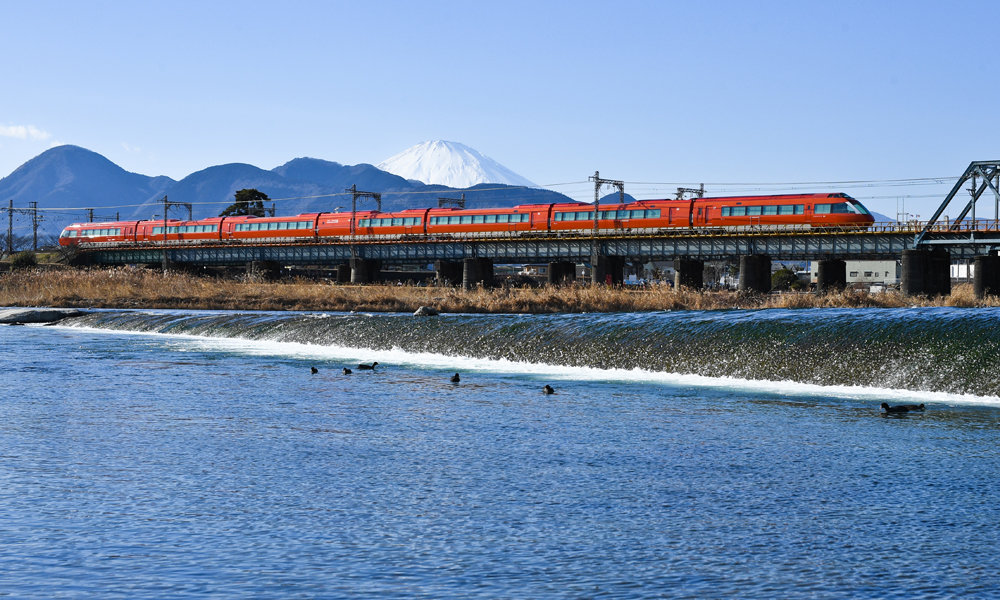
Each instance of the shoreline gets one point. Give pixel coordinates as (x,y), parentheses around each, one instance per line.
(141,288)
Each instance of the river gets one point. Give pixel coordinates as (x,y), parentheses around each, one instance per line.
(153,454)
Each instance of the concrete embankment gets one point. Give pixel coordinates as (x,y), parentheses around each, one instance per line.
(21,316)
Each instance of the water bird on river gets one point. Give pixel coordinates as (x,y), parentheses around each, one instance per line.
(548,389)
(314,370)
(901,408)
(364,367)
(347,371)
(455,378)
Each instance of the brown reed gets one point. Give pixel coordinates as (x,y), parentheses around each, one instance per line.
(142,288)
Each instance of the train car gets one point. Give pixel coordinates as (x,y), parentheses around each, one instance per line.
(642,215)
(270,229)
(792,211)
(338,224)
(99,234)
(404,223)
(489,221)
(180,232)
(776,212)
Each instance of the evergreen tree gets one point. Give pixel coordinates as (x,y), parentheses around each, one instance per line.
(248,202)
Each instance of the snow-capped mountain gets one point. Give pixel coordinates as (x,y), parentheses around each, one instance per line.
(451,164)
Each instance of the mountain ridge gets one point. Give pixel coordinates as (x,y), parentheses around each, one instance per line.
(73,179)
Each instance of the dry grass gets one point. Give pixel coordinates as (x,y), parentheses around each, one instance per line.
(140,288)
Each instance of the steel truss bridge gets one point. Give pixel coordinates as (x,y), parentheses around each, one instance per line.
(964,238)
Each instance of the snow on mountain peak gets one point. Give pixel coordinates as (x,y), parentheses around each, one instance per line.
(451,164)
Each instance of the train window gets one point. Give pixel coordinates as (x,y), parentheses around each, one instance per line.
(770,210)
(753,211)
(822,209)
(466,220)
(503,218)
(397,221)
(490,219)
(477,219)
(739,211)
(725,211)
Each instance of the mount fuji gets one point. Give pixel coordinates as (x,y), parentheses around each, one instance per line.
(452,164)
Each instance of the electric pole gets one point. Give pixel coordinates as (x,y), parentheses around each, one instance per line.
(460,203)
(698,191)
(598,182)
(10,227)
(166,206)
(358,195)
(35,220)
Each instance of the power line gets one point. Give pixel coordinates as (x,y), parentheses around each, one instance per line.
(726,187)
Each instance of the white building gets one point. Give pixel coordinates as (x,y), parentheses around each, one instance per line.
(871,272)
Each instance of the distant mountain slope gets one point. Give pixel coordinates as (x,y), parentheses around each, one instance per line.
(451,164)
(76,179)
(70,176)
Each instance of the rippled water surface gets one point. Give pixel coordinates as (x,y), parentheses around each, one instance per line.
(686,455)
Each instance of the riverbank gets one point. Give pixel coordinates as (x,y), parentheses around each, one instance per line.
(141,288)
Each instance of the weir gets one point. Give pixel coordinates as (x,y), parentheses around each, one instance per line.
(930,349)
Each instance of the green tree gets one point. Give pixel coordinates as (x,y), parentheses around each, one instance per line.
(248,202)
(783,279)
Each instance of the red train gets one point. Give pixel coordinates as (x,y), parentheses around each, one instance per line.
(794,211)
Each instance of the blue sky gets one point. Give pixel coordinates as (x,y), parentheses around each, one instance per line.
(658,94)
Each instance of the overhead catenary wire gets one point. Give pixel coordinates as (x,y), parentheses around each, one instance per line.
(651,192)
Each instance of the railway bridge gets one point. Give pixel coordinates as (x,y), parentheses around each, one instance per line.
(926,250)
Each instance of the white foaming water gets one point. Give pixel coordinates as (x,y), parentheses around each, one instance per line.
(427,360)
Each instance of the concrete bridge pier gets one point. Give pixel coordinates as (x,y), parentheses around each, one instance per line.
(689,273)
(926,273)
(755,273)
(562,272)
(609,270)
(831,276)
(365,270)
(448,272)
(268,270)
(986,280)
(477,271)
